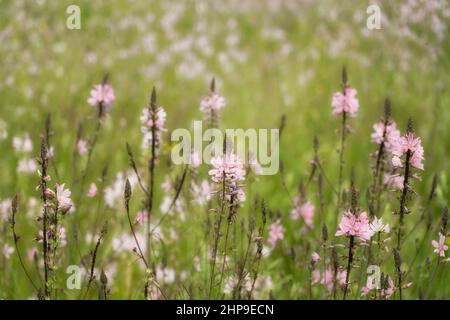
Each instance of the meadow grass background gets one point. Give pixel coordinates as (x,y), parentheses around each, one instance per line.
(269,58)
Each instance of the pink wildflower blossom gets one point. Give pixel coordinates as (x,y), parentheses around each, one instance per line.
(345,102)
(212,102)
(305,211)
(230,170)
(63,197)
(7,251)
(440,247)
(82,147)
(92,190)
(102,94)
(150,119)
(276,233)
(408,142)
(395,181)
(315,258)
(354,225)
(391,137)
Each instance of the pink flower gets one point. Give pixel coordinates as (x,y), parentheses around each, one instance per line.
(153,119)
(276,232)
(327,279)
(7,251)
(315,257)
(395,181)
(305,211)
(201,193)
(408,142)
(63,197)
(440,247)
(389,291)
(82,147)
(390,138)
(227,167)
(354,225)
(212,102)
(345,102)
(102,94)
(377,226)
(92,190)
(141,217)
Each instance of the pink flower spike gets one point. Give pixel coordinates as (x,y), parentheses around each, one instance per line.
(354,225)
(345,102)
(102,94)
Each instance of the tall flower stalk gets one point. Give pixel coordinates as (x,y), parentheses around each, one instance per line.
(153,119)
(410,148)
(346,104)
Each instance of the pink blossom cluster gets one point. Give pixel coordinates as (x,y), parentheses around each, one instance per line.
(276,233)
(304,211)
(102,94)
(356,225)
(153,119)
(408,142)
(345,101)
(439,246)
(389,138)
(327,279)
(212,102)
(229,169)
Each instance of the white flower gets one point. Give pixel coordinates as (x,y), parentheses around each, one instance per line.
(63,197)
(377,226)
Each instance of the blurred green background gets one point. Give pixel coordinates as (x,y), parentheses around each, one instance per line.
(269,58)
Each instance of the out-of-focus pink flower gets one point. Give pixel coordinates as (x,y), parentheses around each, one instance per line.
(31,253)
(82,147)
(305,211)
(195,160)
(389,291)
(7,251)
(440,247)
(153,119)
(328,279)
(92,190)
(276,233)
(227,167)
(408,142)
(390,138)
(354,225)
(315,257)
(254,164)
(212,101)
(341,277)
(27,165)
(394,180)
(201,193)
(345,102)
(102,94)
(63,197)
(141,217)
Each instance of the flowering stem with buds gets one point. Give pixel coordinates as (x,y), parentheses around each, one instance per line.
(43,187)
(349,264)
(403,198)
(151,169)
